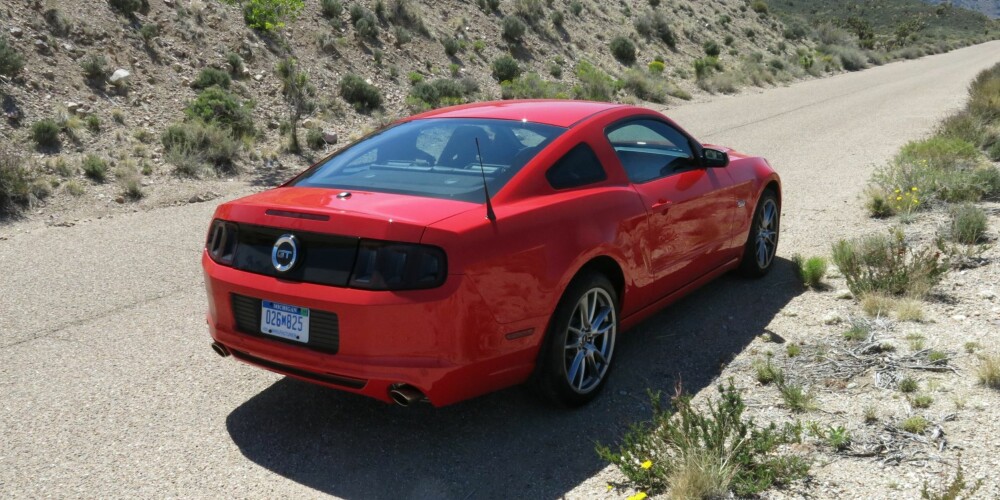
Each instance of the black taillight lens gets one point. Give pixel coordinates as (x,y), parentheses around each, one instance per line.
(398,266)
(221,242)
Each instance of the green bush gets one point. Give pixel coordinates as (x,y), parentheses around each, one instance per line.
(269,15)
(95,67)
(451,46)
(984,95)
(505,68)
(887,263)
(218,106)
(850,58)
(532,11)
(706,454)
(711,48)
(360,94)
(94,123)
(656,67)
(129,7)
(95,168)
(45,133)
(811,271)
(759,6)
(968,224)
(644,86)
(623,49)
(941,168)
(331,9)
(365,24)
(595,85)
(512,29)
(653,24)
(531,86)
(967,127)
(576,7)
(212,76)
(314,138)
(15,184)
(557,18)
(704,67)
(11,61)
(441,92)
(195,146)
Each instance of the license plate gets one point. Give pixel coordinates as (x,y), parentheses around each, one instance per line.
(285,321)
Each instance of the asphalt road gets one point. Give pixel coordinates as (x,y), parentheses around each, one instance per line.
(108,386)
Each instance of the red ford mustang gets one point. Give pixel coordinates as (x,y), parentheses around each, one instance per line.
(476,247)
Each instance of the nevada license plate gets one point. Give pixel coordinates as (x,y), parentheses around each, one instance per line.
(285,321)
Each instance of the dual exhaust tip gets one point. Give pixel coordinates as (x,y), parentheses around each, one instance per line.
(402,394)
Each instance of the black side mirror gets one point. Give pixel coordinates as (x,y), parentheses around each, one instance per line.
(713,158)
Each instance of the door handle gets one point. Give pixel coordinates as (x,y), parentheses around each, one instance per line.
(662,205)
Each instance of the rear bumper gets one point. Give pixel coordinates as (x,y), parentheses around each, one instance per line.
(444,341)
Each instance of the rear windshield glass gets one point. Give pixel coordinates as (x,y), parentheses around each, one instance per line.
(435,158)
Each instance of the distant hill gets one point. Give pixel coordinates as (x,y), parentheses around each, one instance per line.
(989,7)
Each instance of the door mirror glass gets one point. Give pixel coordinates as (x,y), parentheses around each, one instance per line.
(713,158)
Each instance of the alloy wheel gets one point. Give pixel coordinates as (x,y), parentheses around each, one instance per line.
(590,340)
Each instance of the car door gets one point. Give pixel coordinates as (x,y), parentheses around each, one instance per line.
(689,207)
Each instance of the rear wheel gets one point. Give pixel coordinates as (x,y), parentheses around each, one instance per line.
(580,344)
(762,242)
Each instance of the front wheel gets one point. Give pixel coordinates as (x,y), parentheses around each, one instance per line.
(762,242)
(580,343)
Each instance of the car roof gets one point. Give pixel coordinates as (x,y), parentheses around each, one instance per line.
(561,113)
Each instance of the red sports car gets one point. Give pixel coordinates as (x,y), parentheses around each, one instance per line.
(476,247)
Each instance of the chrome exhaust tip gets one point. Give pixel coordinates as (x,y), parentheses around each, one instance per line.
(405,395)
(220,349)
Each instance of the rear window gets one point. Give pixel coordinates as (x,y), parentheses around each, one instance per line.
(435,157)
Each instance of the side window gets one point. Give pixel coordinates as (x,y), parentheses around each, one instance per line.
(578,167)
(650,149)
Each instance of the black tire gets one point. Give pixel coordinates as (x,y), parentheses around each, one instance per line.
(765,228)
(566,341)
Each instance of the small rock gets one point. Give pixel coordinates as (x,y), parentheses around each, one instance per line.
(959,317)
(203,197)
(41,46)
(845,294)
(988,294)
(16,32)
(308,123)
(120,200)
(119,77)
(72,106)
(330,137)
(168,3)
(49,75)
(832,319)
(258,77)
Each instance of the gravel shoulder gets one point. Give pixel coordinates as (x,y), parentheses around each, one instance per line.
(110,388)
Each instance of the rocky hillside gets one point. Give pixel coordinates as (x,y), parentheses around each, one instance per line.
(153,93)
(989,7)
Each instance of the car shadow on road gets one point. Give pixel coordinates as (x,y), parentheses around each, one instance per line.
(506,444)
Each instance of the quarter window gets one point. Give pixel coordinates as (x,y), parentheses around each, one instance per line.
(576,168)
(650,149)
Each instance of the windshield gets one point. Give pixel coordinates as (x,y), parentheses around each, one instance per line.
(435,158)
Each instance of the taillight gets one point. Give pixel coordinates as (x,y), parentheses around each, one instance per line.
(221,243)
(398,266)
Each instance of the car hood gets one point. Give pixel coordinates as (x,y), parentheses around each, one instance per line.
(384,216)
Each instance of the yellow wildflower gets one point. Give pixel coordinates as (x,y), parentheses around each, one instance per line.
(610,487)
(897,190)
(914,188)
(899,198)
(637,496)
(647,464)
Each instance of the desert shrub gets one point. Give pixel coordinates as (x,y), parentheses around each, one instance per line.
(11,61)
(196,146)
(576,7)
(512,29)
(768,373)
(451,46)
(984,95)
(218,106)
(759,6)
(441,92)
(95,67)
(367,28)
(811,271)
(645,86)
(797,398)
(404,13)
(212,76)
(850,58)
(988,371)
(555,69)
(711,48)
(314,138)
(706,454)
(532,11)
(505,68)
(15,184)
(940,168)
(364,96)
(595,85)
(129,7)
(531,86)
(45,133)
(235,63)
(557,18)
(656,67)
(705,66)
(95,168)
(331,9)
(915,424)
(968,224)
(623,49)
(269,15)
(955,489)
(887,263)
